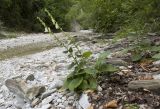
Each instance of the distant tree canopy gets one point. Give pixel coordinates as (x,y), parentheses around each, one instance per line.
(21,14)
(101,15)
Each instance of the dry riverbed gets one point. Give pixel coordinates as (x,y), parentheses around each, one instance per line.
(33,81)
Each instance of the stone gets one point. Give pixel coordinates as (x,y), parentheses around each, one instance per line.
(116,61)
(70,94)
(48,93)
(35,91)
(66,103)
(19,102)
(156,76)
(99,88)
(35,102)
(56,84)
(152,85)
(69,107)
(60,105)
(56,104)
(156,63)
(2,102)
(64,98)
(83,102)
(3,107)
(59,100)
(71,98)
(30,78)
(47,106)
(111,104)
(47,100)
(20,88)
(17,87)
(130,66)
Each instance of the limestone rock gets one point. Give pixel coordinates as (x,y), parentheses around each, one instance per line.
(17,87)
(35,91)
(35,102)
(152,85)
(47,100)
(30,77)
(156,63)
(20,88)
(48,93)
(47,106)
(84,103)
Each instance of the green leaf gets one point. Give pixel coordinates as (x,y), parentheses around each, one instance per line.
(156,56)
(91,71)
(108,68)
(136,57)
(92,83)
(87,54)
(75,83)
(84,85)
(155,48)
(67,82)
(76,74)
(104,55)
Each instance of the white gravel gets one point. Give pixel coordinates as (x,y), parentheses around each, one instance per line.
(49,68)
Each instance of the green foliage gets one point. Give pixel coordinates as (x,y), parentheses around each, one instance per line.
(119,16)
(136,57)
(156,56)
(132,106)
(143,49)
(21,14)
(84,72)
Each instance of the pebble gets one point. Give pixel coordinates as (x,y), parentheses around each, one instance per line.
(35,102)
(66,103)
(47,100)
(61,106)
(156,63)
(56,84)
(59,100)
(130,67)
(56,104)
(64,98)
(84,103)
(99,88)
(70,94)
(46,106)
(71,98)
(1,101)
(69,107)
(30,77)
(48,93)
(122,67)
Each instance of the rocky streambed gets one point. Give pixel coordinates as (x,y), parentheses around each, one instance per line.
(34,81)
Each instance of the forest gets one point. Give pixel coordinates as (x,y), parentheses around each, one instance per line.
(80,54)
(101,15)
